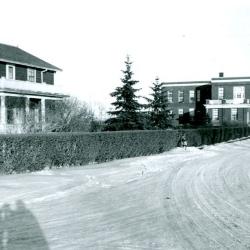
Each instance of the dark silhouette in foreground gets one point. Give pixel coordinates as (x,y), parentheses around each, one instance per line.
(19,229)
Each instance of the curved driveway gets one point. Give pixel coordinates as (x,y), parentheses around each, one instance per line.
(193,199)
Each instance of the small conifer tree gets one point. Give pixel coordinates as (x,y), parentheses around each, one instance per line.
(126,114)
(159,113)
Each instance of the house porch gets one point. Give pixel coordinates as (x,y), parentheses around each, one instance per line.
(18,113)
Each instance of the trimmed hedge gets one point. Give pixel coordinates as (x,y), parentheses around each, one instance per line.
(31,152)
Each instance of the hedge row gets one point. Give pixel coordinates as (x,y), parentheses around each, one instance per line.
(31,152)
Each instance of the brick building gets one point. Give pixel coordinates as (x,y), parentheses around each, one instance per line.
(220,100)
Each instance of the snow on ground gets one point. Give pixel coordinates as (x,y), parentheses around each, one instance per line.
(181,199)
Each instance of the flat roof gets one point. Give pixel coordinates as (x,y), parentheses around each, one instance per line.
(183,83)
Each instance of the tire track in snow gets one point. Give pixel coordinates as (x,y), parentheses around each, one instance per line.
(193,199)
(197,191)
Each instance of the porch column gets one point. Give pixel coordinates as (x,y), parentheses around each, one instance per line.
(3,112)
(27,108)
(43,113)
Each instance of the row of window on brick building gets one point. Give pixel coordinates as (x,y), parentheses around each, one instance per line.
(191,96)
(180,96)
(191,99)
(215,113)
(234,114)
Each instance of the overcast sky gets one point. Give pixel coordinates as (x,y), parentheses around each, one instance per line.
(89,39)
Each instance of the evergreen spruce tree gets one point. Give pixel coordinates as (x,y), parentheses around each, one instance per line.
(159,113)
(126,114)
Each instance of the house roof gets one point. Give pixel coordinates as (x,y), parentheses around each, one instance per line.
(232,78)
(12,54)
(216,80)
(186,83)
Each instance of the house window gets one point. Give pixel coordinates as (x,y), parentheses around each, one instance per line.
(180,96)
(10,72)
(31,75)
(220,93)
(198,95)
(180,112)
(169,96)
(191,96)
(215,114)
(239,92)
(191,111)
(234,114)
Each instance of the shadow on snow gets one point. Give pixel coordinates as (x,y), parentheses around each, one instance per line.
(19,229)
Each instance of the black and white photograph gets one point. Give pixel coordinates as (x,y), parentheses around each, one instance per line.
(125,125)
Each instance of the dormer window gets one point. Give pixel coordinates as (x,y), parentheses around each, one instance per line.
(10,72)
(31,75)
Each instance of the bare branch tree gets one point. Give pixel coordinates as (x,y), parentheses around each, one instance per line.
(69,115)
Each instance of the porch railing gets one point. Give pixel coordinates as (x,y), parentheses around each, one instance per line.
(23,86)
(228,101)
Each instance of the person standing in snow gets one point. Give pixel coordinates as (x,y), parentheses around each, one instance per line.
(184,141)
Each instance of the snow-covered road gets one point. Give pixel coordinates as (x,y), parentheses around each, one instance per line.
(193,199)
